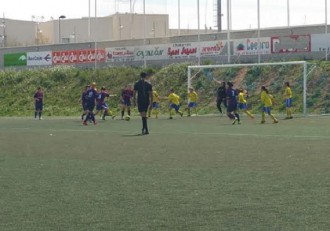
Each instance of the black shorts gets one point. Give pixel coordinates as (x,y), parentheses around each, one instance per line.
(232,107)
(90,107)
(38,106)
(143,106)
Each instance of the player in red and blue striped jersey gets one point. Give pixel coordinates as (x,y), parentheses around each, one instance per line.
(38,103)
(125,101)
(102,105)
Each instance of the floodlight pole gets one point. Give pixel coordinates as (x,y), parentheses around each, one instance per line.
(144,33)
(198,36)
(59,28)
(228,30)
(326,27)
(258,48)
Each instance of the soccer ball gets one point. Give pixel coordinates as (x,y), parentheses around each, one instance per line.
(127,118)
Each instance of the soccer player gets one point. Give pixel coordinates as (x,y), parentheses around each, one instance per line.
(143,90)
(174,100)
(84,101)
(231,95)
(288,100)
(221,96)
(38,103)
(267,103)
(155,104)
(126,96)
(192,101)
(242,104)
(102,105)
(91,96)
(94,86)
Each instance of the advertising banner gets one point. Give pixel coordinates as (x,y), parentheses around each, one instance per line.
(213,48)
(42,58)
(320,42)
(119,54)
(15,59)
(182,50)
(78,56)
(152,52)
(291,44)
(249,46)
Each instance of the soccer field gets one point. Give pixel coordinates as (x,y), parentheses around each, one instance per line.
(196,173)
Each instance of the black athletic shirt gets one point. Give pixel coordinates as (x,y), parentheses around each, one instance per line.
(143,88)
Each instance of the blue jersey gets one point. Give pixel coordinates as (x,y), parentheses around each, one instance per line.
(231,96)
(91,96)
(84,97)
(101,97)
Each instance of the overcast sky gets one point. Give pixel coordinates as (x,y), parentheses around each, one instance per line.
(273,13)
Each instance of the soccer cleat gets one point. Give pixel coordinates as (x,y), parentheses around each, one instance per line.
(170,117)
(262,122)
(85,123)
(145,132)
(275,121)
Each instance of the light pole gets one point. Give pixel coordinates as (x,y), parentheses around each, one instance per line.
(59,27)
(198,35)
(144,33)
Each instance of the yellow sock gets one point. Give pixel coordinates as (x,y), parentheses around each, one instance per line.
(249,114)
(263,116)
(273,117)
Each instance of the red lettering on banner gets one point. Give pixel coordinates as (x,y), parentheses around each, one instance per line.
(78,56)
(171,52)
(188,51)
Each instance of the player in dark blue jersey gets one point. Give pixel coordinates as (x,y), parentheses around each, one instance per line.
(231,95)
(83,100)
(91,96)
(38,103)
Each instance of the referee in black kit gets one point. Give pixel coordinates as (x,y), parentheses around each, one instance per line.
(144,99)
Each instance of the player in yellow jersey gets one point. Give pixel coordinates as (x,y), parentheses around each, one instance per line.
(288,100)
(155,105)
(192,101)
(267,103)
(242,104)
(174,100)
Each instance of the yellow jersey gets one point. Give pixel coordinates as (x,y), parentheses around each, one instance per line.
(241,97)
(156,98)
(192,97)
(174,98)
(266,99)
(288,93)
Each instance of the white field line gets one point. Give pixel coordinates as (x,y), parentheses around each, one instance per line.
(198,133)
